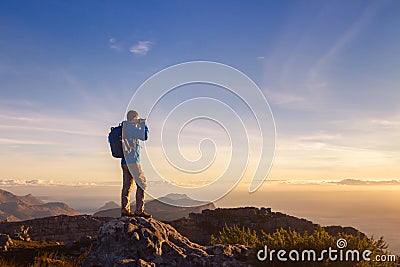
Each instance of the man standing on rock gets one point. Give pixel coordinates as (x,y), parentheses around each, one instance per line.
(133,130)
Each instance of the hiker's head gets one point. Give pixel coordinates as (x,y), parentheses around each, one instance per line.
(132,115)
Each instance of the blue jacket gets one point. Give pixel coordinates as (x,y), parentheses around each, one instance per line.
(131,134)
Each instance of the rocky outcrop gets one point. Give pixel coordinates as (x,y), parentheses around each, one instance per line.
(147,242)
(60,228)
(199,227)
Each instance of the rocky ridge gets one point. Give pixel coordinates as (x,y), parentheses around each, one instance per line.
(60,228)
(199,227)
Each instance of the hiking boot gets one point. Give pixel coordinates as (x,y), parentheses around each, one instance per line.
(143,214)
(127,214)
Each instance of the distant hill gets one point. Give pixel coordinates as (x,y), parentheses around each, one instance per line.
(19,208)
(162,211)
(109,205)
(6,196)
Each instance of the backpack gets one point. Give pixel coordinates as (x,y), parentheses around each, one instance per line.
(115,140)
(146,132)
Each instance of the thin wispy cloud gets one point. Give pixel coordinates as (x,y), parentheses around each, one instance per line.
(141,48)
(114,45)
(366,182)
(349,182)
(286,99)
(344,40)
(386,123)
(17,102)
(19,118)
(319,137)
(56,130)
(39,182)
(47,122)
(11,141)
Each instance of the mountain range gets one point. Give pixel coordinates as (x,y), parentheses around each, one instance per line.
(19,208)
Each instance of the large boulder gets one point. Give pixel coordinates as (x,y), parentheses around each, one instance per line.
(147,242)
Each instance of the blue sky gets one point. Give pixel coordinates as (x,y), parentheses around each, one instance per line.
(329,70)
